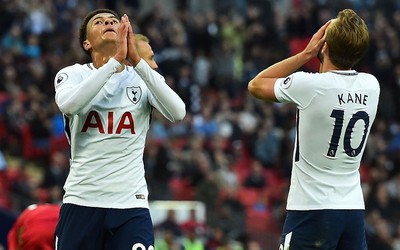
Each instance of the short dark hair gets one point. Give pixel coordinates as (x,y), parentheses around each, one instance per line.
(83,27)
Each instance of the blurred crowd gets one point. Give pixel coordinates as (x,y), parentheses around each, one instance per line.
(231,152)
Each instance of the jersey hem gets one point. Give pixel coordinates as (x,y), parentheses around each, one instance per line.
(306,208)
(139,204)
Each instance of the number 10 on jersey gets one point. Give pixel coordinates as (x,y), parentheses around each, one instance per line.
(338,115)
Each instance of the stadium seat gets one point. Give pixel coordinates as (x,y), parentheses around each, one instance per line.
(258,220)
(58,143)
(181,190)
(249,196)
(30,151)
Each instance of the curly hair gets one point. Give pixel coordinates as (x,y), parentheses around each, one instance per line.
(83,27)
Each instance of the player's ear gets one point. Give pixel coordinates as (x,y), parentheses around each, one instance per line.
(325,47)
(86,45)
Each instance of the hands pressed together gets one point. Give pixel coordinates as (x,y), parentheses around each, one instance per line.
(126,49)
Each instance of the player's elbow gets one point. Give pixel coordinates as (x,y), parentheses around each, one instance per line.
(67,106)
(181,113)
(177,113)
(252,88)
(262,89)
(66,111)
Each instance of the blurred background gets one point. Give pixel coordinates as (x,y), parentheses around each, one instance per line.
(221,175)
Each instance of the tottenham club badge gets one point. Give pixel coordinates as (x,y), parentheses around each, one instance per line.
(134,94)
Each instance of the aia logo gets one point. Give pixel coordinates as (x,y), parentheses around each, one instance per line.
(112,124)
(134,94)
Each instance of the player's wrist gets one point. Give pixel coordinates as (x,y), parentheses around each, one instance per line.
(119,58)
(134,60)
(304,57)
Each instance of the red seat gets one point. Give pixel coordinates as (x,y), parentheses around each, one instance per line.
(249,196)
(59,143)
(258,220)
(30,151)
(181,189)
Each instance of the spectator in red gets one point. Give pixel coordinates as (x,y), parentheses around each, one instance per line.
(193,223)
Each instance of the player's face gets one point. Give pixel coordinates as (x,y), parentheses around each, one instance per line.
(102,28)
(146,52)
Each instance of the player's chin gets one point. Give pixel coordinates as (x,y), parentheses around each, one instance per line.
(109,39)
(109,35)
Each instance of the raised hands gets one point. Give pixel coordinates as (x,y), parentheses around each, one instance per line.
(126,48)
(126,44)
(316,42)
(132,56)
(121,42)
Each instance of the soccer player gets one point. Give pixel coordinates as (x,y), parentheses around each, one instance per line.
(107,107)
(34,228)
(335,111)
(145,51)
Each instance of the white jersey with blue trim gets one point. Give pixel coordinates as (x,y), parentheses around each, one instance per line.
(107,117)
(336,110)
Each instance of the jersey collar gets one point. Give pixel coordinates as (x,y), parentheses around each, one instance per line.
(345,72)
(91,67)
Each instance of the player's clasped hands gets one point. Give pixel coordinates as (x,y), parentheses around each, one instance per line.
(126,48)
(122,47)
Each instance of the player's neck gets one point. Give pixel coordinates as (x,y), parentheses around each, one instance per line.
(327,65)
(101,58)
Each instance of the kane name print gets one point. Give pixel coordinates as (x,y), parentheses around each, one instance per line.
(344,98)
(93,121)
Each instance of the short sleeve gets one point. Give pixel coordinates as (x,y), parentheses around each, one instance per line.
(298,88)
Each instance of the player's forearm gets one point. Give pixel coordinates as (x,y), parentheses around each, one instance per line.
(166,100)
(285,67)
(262,85)
(71,98)
(133,60)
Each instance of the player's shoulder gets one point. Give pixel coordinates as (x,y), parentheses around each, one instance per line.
(75,70)
(77,67)
(43,206)
(36,209)
(306,76)
(301,78)
(369,80)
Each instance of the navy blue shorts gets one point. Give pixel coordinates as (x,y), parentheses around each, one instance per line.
(104,228)
(324,229)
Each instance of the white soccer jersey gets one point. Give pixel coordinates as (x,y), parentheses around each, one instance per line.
(107,117)
(335,114)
